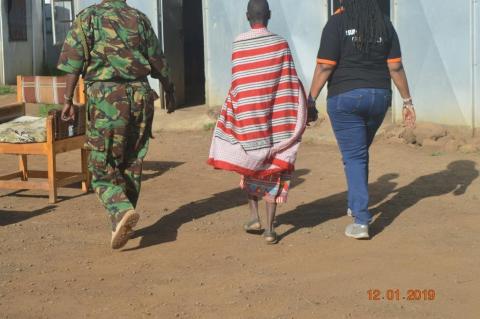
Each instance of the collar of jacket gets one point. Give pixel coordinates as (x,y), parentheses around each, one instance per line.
(120,3)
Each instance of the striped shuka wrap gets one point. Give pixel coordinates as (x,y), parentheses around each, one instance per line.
(264,116)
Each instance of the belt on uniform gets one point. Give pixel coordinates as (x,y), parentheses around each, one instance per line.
(119,81)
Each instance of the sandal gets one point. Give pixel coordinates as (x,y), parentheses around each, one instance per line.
(253,225)
(270,237)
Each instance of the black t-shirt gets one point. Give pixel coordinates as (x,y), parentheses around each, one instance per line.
(355,69)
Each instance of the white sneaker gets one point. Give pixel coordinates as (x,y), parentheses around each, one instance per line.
(357,231)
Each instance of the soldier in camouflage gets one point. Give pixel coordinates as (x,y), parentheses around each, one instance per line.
(115,48)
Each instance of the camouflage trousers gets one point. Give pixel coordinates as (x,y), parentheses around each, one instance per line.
(118,133)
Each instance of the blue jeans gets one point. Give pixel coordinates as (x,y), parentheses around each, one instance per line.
(356,116)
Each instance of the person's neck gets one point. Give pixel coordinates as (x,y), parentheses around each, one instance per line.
(258,25)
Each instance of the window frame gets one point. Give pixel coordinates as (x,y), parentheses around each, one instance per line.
(21,35)
(53,4)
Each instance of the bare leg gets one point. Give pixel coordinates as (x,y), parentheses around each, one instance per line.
(253,205)
(269,234)
(271,210)
(254,223)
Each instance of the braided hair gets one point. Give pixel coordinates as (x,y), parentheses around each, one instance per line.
(366,17)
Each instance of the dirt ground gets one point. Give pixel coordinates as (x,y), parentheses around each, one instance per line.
(191,259)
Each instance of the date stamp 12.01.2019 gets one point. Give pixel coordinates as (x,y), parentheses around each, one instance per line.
(399,295)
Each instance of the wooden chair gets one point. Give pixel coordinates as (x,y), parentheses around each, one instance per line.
(60,136)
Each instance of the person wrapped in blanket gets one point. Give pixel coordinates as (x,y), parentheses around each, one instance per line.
(264,116)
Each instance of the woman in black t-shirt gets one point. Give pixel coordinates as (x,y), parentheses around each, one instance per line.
(359,55)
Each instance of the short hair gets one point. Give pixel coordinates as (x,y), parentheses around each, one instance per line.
(258,10)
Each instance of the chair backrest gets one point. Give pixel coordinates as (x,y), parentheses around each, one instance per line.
(47,90)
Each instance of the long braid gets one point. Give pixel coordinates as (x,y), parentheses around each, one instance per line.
(366,17)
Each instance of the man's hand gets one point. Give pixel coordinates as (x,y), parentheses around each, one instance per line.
(409,116)
(68,112)
(170,100)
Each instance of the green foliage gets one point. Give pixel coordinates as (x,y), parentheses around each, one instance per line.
(45,108)
(4,90)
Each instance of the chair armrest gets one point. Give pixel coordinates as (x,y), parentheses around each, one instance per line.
(64,129)
(11,111)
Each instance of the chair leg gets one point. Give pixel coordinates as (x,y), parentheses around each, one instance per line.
(52,176)
(23,166)
(85,171)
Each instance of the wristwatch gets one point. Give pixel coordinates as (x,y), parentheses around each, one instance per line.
(408,102)
(68,98)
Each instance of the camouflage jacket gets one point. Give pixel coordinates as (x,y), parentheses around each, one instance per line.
(121,44)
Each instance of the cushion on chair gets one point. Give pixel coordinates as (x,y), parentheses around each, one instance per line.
(25,129)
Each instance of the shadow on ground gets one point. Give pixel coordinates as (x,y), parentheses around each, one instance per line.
(13,217)
(24,193)
(455,179)
(151,170)
(166,228)
(332,207)
(154,169)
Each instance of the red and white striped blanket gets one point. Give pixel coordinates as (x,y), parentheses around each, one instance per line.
(260,125)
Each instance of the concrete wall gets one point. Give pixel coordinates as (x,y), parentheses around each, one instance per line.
(300,22)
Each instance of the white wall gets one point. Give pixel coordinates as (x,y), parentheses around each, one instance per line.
(300,22)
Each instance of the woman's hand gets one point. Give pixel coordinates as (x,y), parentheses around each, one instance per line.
(409,115)
(312,113)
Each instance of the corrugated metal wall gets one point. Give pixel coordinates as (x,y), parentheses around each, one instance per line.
(440,40)
(437,41)
(300,22)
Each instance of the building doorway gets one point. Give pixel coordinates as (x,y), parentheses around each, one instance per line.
(194,53)
(334,5)
(184,49)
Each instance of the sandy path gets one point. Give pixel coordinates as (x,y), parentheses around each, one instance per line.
(191,259)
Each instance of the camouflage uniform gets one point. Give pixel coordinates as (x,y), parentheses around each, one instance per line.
(122,51)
